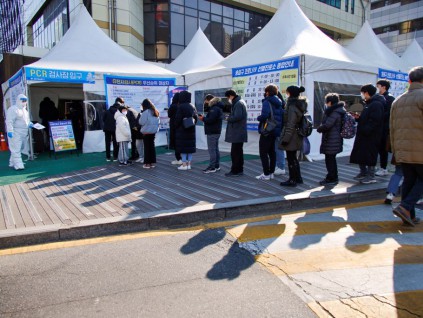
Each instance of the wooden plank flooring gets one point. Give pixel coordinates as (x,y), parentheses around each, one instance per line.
(111,191)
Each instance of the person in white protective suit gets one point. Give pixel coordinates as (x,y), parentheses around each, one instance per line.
(17,123)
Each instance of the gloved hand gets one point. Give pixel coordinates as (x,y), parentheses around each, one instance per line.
(284,143)
(30,125)
(10,134)
(319,129)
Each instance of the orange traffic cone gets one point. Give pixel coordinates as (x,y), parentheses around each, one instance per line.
(3,143)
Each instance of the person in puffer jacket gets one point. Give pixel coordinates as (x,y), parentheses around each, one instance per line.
(267,141)
(332,142)
(123,135)
(149,121)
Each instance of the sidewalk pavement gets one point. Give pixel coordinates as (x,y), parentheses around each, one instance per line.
(109,199)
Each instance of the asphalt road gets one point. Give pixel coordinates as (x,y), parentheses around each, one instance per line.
(184,274)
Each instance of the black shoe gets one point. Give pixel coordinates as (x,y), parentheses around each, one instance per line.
(326,182)
(217,168)
(232,174)
(300,181)
(122,164)
(288,183)
(209,170)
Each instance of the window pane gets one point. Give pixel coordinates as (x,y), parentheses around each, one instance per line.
(228,21)
(177,34)
(216,18)
(239,15)
(228,12)
(176,50)
(227,39)
(216,8)
(150,52)
(176,8)
(162,52)
(180,2)
(239,24)
(190,28)
(204,15)
(191,12)
(204,5)
(149,28)
(191,3)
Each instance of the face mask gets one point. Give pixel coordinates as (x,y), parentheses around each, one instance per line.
(124,113)
(362,96)
(230,101)
(286,96)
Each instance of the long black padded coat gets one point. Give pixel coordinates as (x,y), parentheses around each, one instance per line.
(185,137)
(369,132)
(330,128)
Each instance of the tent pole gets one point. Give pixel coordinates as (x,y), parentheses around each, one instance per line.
(31,146)
(110,18)
(115,19)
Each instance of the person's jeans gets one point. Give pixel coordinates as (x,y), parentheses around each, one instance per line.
(267,154)
(237,157)
(395,180)
(123,154)
(186,157)
(213,147)
(412,186)
(280,155)
(109,137)
(331,167)
(140,147)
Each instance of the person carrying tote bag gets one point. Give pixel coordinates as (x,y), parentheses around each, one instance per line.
(149,122)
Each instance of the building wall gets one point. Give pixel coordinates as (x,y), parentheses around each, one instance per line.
(339,23)
(398,24)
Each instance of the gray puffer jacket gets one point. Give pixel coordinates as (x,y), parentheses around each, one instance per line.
(236,131)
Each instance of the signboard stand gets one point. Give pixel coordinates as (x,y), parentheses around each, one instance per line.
(62,137)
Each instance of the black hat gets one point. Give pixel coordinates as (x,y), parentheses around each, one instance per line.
(122,107)
(294,91)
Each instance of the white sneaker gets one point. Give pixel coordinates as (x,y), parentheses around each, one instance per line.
(279,171)
(189,167)
(263,177)
(420,201)
(176,162)
(390,196)
(140,160)
(381,172)
(182,167)
(272,176)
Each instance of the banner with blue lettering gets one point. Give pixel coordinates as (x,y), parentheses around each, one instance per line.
(135,89)
(62,135)
(62,76)
(249,82)
(399,81)
(16,86)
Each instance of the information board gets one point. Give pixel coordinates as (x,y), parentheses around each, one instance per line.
(249,83)
(399,81)
(62,135)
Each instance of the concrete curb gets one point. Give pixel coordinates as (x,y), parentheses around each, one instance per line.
(187,216)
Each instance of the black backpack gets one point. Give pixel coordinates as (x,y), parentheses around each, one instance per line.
(305,126)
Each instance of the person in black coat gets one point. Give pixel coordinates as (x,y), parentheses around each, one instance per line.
(213,129)
(185,142)
(48,112)
(132,116)
(171,113)
(383,89)
(369,134)
(109,128)
(332,141)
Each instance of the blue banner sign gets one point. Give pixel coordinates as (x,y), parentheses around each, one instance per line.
(63,76)
(393,76)
(137,81)
(291,63)
(16,79)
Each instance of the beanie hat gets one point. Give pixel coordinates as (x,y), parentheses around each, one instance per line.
(294,91)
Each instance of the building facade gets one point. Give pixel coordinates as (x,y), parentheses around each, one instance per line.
(159,30)
(11,22)
(398,22)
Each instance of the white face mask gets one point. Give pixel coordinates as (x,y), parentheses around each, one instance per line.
(124,113)
(286,96)
(230,101)
(362,96)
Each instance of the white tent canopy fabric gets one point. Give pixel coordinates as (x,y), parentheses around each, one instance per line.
(86,47)
(413,55)
(367,45)
(198,54)
(287,34)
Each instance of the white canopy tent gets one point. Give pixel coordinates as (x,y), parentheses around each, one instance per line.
(413,55)
(287,34)
(86,50)
(368,46)
(199,53)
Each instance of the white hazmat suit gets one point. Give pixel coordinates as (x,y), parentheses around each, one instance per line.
(17,122)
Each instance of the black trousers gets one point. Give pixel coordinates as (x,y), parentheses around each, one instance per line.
(331,167)
(109,137)
(134,152)
(178,156)
(293,166)
(237,157)
(267,154)
(383,153)
(149,149)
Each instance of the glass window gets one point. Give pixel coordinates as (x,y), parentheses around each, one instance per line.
(204,15)
(227,39)
(190,28)
(176,8)
(150,52)
(149,29)
(204,5)
(176,50)
(228,12)
(216,8)
(177,34)
(191,12)
(180,2)
(239,15)
(216,18)
(239,24)
(191,3)
(228,21)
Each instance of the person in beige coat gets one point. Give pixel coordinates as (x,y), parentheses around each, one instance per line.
(406,133)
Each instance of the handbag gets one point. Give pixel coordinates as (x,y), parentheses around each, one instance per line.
(188,122)
(270,124)
(306,146)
